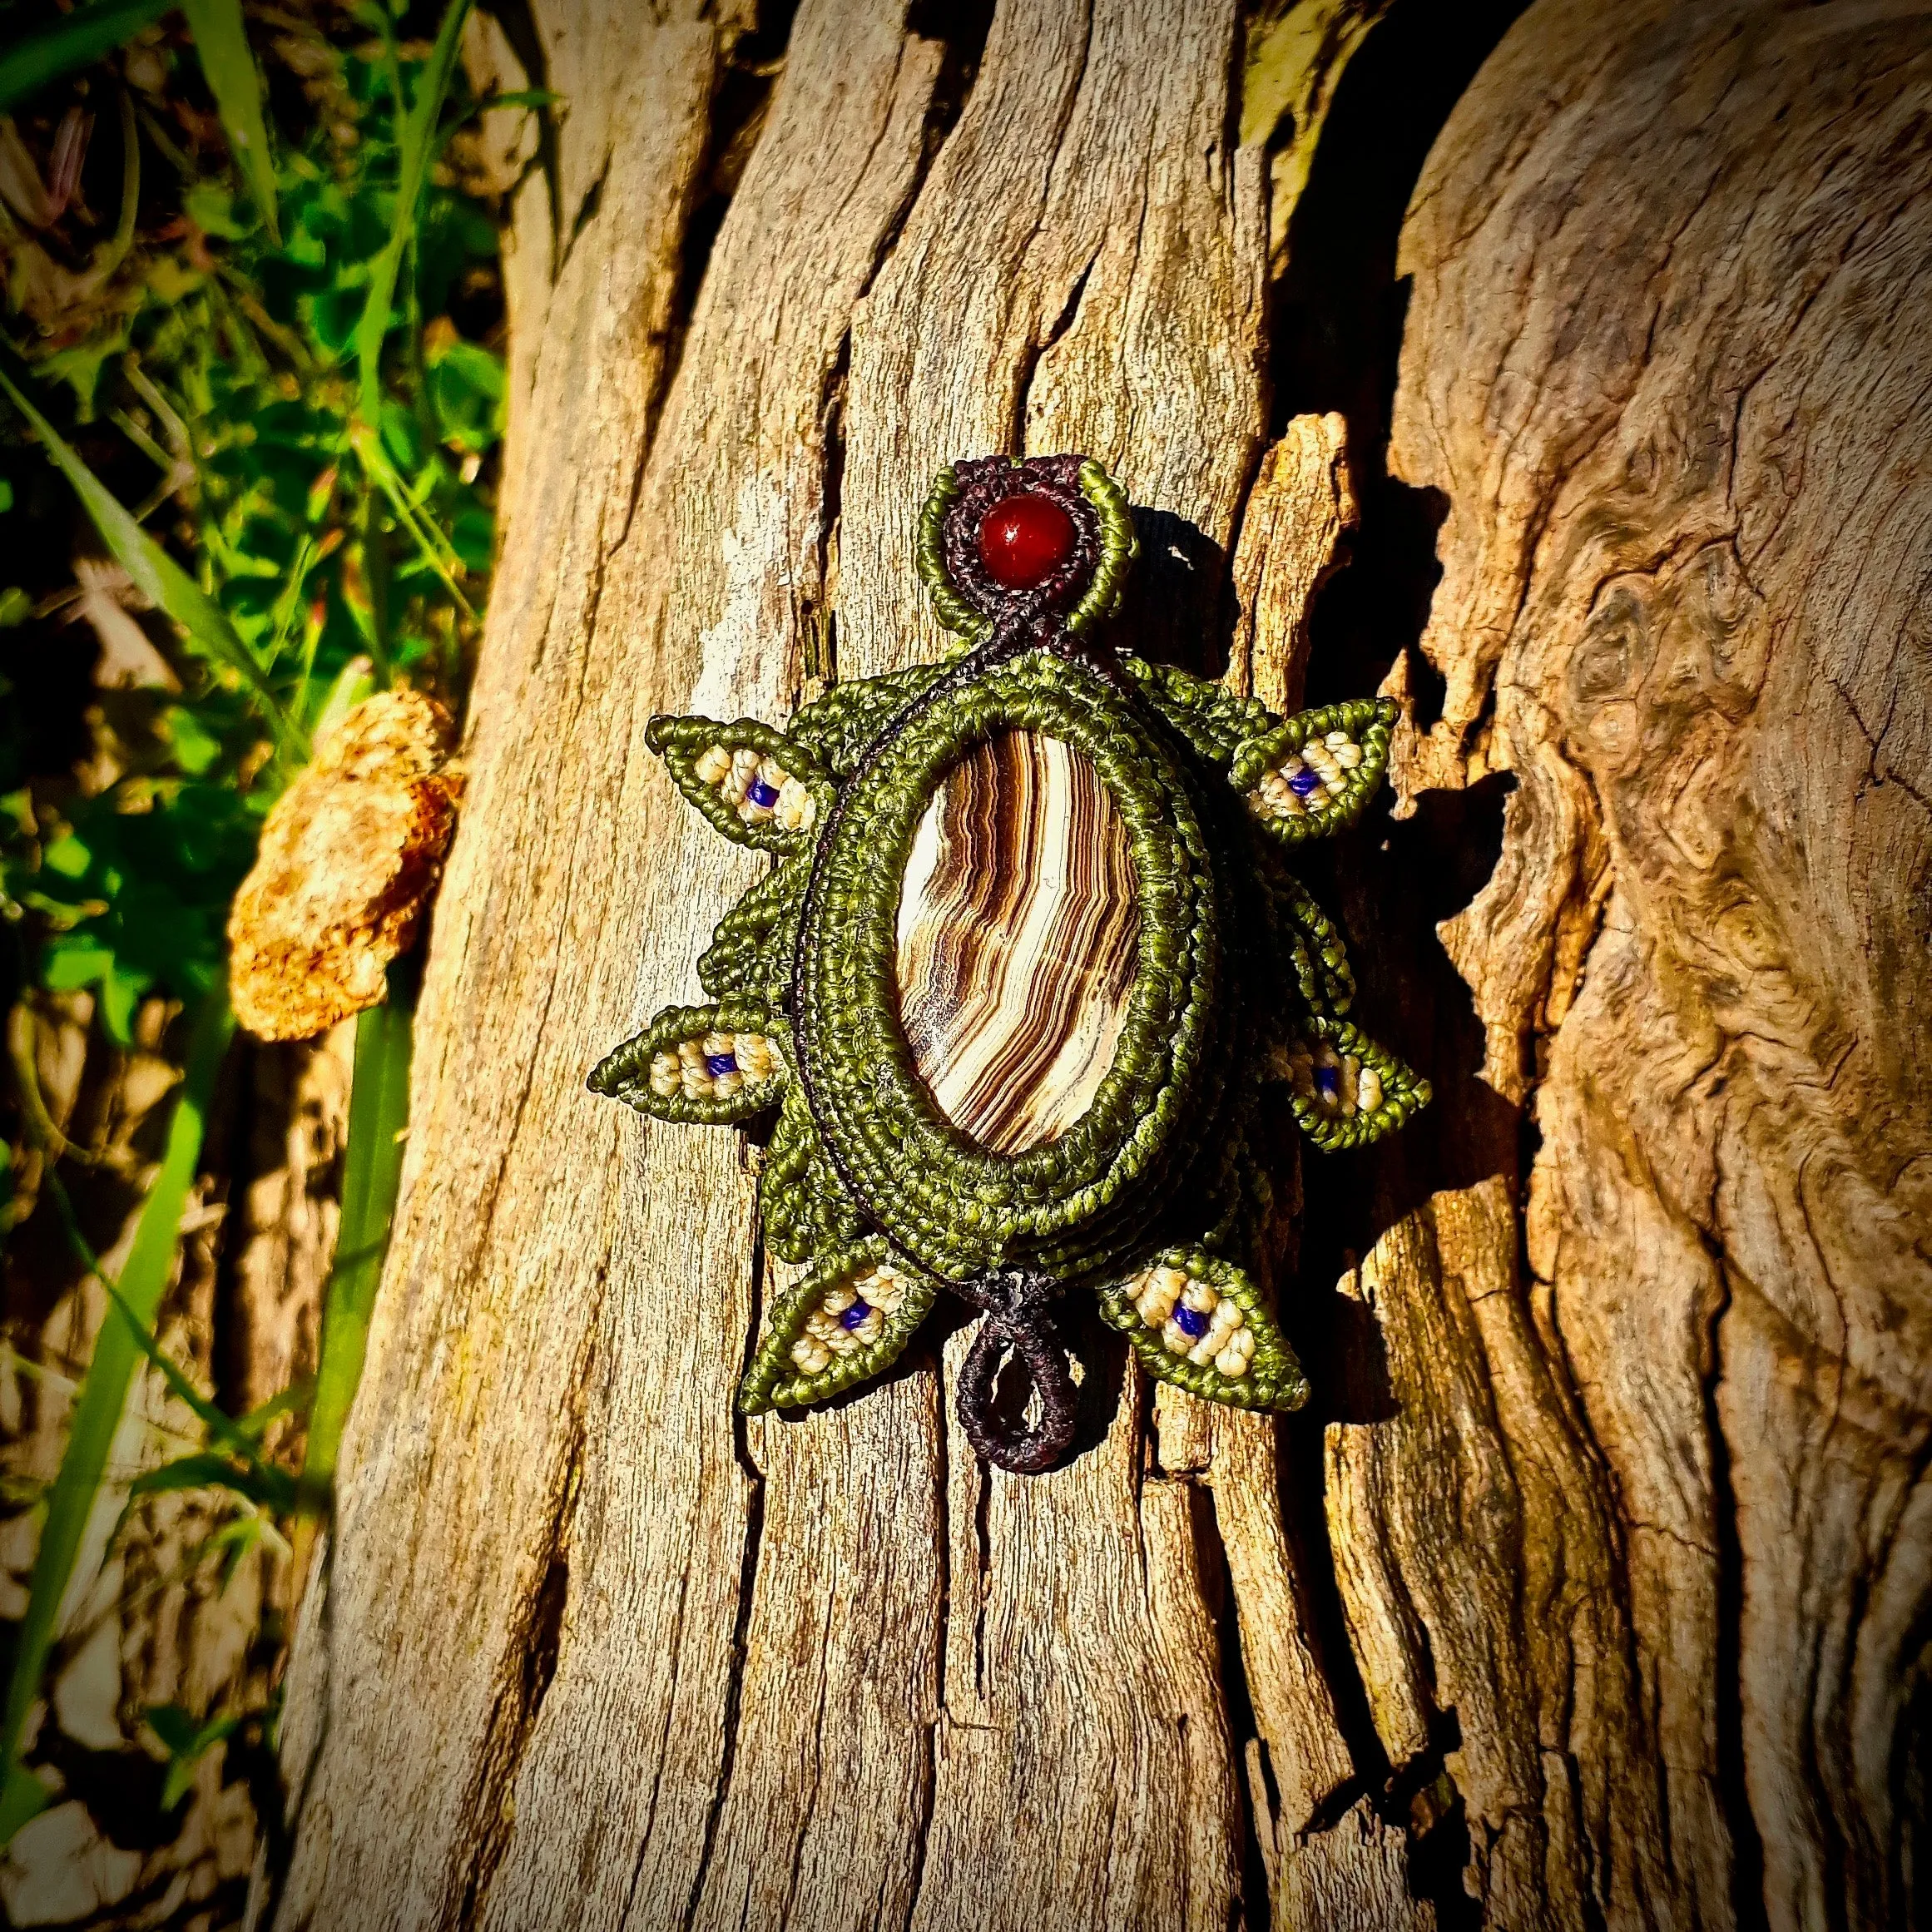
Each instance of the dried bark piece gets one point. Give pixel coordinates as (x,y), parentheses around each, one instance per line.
(349,856)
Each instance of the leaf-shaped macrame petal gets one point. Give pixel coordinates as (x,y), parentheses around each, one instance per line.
(751,951)
(753,783)
(1344,1089)
(806,1208)
(1310,940)
(1201,1322)
(782,1179)
(707,1065)
(1313,774)
(844,1322)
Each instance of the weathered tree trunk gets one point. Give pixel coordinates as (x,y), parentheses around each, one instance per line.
(1597,1593)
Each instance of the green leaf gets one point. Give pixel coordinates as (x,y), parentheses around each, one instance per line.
(467,390)
(211,208)
(210,1415)
(241,1535)
(518,97)
(74,962)
(272,1487)
(221,44)
(174,1726)
(186,1744)
(79,366)
(121,993)
(22,1797)
(97,1413)
(68,856)
(149,907)
(243,1468)
(472,535)
(353,683)
(196,748)
(292,1400)
(77,41)
(372,1171)
(156,574)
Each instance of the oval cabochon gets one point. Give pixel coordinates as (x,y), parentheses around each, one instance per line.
(1018,940)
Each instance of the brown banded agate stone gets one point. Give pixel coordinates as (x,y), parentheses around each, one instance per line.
(1018,941)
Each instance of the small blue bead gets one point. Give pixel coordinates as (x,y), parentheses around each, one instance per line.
(1304,781)
(717,1063)
(761,794)
(1190,1321)
(855,1314)
(1328,1081)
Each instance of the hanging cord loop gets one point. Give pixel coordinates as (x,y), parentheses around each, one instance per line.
(1018,1322)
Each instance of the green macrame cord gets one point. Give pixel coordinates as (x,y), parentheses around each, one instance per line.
(1240,987)
(965,1209)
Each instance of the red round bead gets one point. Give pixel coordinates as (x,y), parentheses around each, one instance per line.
(1024,539)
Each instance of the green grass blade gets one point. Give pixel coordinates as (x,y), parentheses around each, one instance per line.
(417,147)
(353,683)
(96,1415)
(156,573)
(22,1796)
(77,41)
(186,1744)
(372,1168)
(206,1470)
(220,1427)
(430,541)
(294,1401)
(240,1438)
(221,44)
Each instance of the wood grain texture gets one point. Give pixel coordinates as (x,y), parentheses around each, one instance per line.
(1018,940)
(1294,526)
(1081,270)
(848,1658)
(1666,361)
(1600,1601)
(414,1653)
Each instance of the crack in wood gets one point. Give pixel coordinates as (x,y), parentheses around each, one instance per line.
(531,1655)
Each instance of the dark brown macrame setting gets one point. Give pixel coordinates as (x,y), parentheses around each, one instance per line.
(985,485)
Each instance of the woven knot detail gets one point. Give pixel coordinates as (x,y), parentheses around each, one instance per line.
(1018,1323)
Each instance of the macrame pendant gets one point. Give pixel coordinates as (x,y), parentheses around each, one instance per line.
(1029,971)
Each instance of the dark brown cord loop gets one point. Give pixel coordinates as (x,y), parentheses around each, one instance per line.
(1018,1320)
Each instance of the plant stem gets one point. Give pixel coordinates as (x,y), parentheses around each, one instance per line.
(417,144)
(379,1114)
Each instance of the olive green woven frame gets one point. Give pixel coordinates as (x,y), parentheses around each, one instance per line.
(963,1209)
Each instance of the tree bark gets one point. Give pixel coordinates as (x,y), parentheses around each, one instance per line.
(1596,1594)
